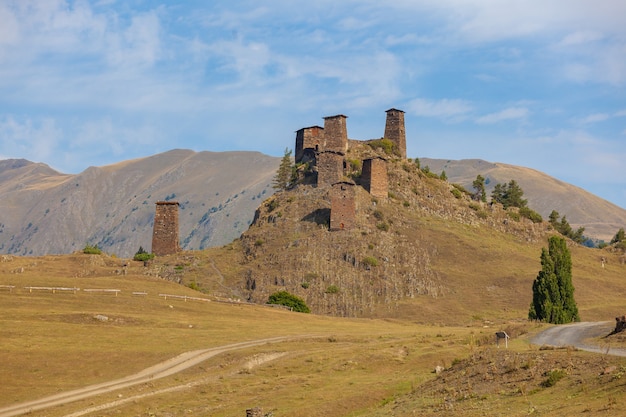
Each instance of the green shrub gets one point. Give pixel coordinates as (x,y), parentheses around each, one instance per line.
(530,214)
(385,144)
(514,215)
(332,289)
(370,261)
(378,214)
(456,193)
(383,226)
(294,302)
(142,255)
(92,250)
(553,377)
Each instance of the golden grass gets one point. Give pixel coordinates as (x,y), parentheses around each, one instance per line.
(344,367)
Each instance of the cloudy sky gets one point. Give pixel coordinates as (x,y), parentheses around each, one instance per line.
(537,83)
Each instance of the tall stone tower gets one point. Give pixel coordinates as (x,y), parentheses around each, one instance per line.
(394,130)
(343,206)
(375,178)
(336,133)
(329,167)
(308,141)
(165,231)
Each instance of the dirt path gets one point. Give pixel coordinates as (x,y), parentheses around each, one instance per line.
(576,335)
(161,370)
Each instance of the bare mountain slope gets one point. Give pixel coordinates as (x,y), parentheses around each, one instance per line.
(45,212)
(600,218)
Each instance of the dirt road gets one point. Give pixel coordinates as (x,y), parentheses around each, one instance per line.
(576,335)
(161,370)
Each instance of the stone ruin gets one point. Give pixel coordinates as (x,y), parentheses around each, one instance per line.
(326,148)
(374,177)
(165,230)
(343,206)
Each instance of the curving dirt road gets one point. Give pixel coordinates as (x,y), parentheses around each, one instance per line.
(161,370)
(576,335)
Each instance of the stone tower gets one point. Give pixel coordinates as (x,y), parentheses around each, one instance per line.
(165,231)
(329,167)
(343,206)
(394,130)
(374,176)
(335,134)
(308,141)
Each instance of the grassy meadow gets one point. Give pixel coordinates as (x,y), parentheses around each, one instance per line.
(54,342)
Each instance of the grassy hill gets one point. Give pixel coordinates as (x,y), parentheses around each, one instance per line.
(47,212)
(600,218)
(54,342)
(423,281)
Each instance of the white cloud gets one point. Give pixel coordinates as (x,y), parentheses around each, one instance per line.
(593,118)
(581,37)
(510,113)
(620,113)
(37,140)
(444,108)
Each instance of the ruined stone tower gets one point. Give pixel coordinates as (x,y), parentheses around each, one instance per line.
(335,133)
(394,130)
(309,140)
(329,168)
(343,206)
(165,231)
(374,177)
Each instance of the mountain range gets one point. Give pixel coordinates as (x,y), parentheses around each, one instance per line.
(47,212)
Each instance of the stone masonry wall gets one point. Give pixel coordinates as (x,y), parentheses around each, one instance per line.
(329,168)
(165,231)
(374,177)
(308,138)
(335,134)
(343,206)
(395,130)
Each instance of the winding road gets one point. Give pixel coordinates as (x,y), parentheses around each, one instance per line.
(171,366)
(577,335)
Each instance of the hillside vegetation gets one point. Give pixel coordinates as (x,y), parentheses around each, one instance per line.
(46,212)
(404,311)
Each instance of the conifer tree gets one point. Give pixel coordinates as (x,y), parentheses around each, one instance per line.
(479,189)
(553,291)
(284,175)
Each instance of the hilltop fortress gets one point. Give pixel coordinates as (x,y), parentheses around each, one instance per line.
(325,148)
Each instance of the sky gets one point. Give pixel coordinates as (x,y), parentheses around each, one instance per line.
(535,83)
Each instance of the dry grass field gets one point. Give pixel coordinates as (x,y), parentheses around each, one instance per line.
(55,342)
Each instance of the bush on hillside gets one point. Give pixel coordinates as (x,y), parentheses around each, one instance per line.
(92,250)
(142,255)
(287,299)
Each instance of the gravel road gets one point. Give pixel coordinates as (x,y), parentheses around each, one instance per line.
(576,335)
(161,370)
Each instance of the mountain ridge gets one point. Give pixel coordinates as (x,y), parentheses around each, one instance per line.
(48,212)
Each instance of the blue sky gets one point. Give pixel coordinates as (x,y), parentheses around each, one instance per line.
(537,83)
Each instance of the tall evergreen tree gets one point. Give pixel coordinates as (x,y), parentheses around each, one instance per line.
(553,291)
(479,189)
(509,195)
(285,173)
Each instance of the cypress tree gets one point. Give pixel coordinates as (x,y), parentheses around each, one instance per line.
(553,291)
